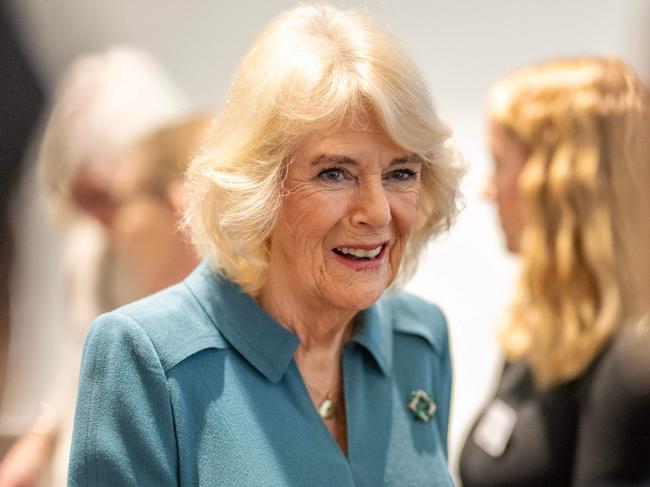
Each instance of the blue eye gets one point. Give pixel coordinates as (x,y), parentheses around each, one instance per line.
(403,174)
(332,175)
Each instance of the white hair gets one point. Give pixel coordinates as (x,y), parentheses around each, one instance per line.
(103,103)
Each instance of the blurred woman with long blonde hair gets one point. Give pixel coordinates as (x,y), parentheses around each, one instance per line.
(569,138)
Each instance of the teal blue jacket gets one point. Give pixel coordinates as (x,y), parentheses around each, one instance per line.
(197,385)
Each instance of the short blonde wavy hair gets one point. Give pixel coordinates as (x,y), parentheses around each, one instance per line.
(312,69)
(586,126)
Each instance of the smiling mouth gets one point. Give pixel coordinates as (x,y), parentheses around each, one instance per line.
(357,254)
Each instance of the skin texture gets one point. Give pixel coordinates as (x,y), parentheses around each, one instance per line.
(502,188)
(345,188)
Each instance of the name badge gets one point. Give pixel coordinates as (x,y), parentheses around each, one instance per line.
(495,428)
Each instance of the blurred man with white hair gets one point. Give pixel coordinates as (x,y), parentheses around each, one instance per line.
(103,104)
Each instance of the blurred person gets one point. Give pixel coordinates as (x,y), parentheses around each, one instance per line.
(569,139)
(103,103)
(278,361)
(151,251)
(21,101)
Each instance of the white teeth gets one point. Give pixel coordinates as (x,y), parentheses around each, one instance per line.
(371,254)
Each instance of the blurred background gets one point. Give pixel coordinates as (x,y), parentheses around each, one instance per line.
(461,46)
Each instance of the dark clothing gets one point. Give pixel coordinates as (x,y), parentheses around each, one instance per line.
(540,450)
(591,431)
(20,103)
(614,428)
(21,100)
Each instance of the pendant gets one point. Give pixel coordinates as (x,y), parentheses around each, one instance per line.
(326,409)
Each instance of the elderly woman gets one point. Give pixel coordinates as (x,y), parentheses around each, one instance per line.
(570,140)
(278,362)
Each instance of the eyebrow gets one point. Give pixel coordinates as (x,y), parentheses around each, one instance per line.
(335,160)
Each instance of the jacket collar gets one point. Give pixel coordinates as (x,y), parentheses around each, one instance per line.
(262,341)
(374,332)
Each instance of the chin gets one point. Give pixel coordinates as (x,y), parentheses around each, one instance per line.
(357,296)
(354,289)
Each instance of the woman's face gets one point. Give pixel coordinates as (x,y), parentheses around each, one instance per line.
(352,198)
(502,188)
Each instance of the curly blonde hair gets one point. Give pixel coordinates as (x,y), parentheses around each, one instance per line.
(585,125)
(314,68)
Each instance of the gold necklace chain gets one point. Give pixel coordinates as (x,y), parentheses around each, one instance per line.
(327,408)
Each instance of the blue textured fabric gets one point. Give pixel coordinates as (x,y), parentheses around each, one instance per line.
(197,385)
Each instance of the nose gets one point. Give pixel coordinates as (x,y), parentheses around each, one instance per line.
(490,188)
(371,206)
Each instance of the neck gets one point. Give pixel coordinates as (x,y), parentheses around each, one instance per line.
(319,327)
(323,331)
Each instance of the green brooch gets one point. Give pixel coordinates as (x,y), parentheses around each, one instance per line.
(421,405)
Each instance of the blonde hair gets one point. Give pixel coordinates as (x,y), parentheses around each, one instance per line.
(166,152)
(313,69)
(103,103)
(585,125)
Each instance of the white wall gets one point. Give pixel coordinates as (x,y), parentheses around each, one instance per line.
(462,46)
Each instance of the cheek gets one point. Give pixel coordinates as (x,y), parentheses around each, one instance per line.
(404,208)
(309,214)
(508,193)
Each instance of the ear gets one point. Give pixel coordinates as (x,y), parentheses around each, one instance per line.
(91,194)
